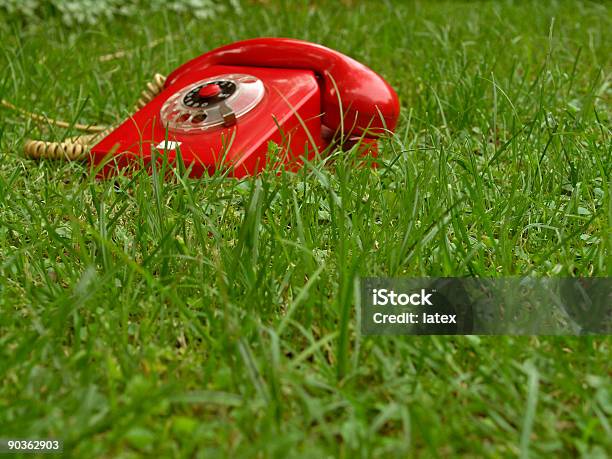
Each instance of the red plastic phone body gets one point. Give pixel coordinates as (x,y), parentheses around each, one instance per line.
(244,146)
(307,86)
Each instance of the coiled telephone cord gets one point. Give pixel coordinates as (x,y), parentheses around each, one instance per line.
(72,149)
(153,88)
(76,148)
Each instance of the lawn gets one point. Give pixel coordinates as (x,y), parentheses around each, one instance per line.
(217,317)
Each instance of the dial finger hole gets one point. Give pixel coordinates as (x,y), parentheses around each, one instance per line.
(183,118)
(198,118)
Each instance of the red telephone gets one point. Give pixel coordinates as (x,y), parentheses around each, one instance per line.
(224,107)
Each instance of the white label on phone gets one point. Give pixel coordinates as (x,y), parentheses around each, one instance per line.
(167,145)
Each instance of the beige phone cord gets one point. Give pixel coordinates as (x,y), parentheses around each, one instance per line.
(76,148)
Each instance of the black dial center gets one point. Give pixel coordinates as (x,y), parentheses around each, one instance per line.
(194,99)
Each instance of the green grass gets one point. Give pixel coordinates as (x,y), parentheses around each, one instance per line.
(204,318)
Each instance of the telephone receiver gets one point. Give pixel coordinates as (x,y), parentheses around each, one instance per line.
(225,107)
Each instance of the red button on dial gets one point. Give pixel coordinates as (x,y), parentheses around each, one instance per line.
(210,90)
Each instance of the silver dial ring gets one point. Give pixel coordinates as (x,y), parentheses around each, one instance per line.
(188,112)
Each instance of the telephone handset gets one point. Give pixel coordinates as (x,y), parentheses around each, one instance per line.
(225,106)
